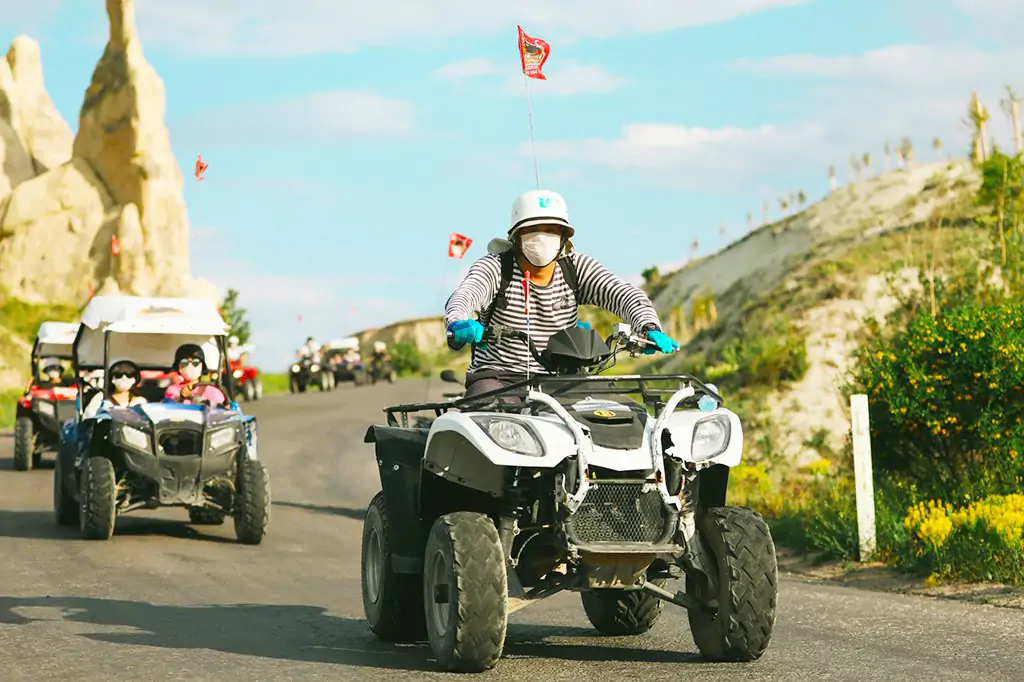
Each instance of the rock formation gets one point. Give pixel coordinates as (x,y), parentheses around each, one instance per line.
(64,199)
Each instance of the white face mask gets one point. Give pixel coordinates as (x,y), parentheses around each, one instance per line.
(540,248)
(191,372)
(123,384)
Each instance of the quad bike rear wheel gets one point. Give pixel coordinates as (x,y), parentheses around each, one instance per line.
(392,602)
(744,552)
(248,392)
(465,592)
(65,509)
(622,612)
(252,502)
(24,444)
(257,392)
(98,499)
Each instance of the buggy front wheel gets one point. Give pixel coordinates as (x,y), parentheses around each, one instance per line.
(24,444)
(252,502)
(98,499)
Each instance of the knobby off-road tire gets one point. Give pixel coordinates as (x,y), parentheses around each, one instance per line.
(24,444)
(249,392)
(464,553)
(65,509)
(205,516)
(392,602)
(620,612)
(293,385)
(748,586)
(257,389)
(252,502)
(98,495)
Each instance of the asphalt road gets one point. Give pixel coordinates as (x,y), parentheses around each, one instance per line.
(167,601)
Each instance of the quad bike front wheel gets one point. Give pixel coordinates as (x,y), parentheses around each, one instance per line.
(257,391)
(98,499)
(24,444)
(248,392)
(465,592)
(392,602)
(748,588)
(252,502)
(65,509)
(622,612)
(293,385)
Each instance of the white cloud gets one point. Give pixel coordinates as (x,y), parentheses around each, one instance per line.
(471,67)
(699,158)
(322,117)
(329,305)
(567,78)
(260,28)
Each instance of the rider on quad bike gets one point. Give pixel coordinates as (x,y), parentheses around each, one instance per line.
(560,280)
(310,349)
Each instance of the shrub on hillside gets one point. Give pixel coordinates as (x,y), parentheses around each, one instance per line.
(947,401)
(766,354)
(406,358)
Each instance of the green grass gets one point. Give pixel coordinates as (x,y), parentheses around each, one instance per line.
(274,383)
(23,319)
(8,407)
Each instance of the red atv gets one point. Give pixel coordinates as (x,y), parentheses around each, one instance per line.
(247,379)
(51,396)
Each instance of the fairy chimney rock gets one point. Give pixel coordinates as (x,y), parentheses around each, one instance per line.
(122,136)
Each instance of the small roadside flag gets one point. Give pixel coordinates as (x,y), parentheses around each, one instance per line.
(115,245)
(200,167)
(458,245)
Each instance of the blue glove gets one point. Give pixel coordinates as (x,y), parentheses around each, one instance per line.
(583,325)
(466,331)
(662,343)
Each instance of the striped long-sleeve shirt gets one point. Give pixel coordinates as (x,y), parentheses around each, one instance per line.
(552,308)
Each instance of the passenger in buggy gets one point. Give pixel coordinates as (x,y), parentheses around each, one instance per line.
(122,386)
(190,363)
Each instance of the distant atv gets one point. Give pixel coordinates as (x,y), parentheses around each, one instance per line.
(45,405)
(306,373)
(246,380)
(380,369)
(335,357)
(566,483)
(168,454)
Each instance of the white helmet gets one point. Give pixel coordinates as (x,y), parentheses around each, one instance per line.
(379,345)
(539,207)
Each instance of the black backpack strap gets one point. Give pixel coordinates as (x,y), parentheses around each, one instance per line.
(570,275)
(500,301)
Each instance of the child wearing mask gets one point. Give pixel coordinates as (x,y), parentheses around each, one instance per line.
(190,363)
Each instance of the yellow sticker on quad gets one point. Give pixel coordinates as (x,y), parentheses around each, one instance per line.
(603,413)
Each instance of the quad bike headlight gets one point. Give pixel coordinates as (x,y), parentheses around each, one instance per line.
(511,435)
(222,438)
(710,437)
(134,437)
(237,374)
(295,368)
(315,368)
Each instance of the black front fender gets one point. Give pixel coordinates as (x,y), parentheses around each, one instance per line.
(399,454)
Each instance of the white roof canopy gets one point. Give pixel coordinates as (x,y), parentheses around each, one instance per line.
(147,331)
(54,339)
(345,343)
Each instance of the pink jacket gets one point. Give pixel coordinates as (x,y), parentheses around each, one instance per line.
(211,393)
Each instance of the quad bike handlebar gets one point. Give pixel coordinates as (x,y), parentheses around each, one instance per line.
(495,333)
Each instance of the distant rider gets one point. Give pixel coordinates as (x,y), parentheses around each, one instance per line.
(311,350)
(53,373)
(560,281)
(380,352)
(190,363)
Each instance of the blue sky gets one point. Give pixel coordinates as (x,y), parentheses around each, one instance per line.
(346,139)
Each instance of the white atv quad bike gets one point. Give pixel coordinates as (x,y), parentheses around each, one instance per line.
(563,482)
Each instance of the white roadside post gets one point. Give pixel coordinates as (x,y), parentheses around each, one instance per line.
(862,475)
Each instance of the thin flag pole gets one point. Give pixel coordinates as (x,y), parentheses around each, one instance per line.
(533,139)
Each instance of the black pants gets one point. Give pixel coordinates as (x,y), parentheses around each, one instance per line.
(482,382)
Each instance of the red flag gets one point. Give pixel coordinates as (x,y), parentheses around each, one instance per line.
(458,245)
(533,52)
(300,317)
(200,167)
(115,245)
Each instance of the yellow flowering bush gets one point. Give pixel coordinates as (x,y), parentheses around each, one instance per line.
(982,540)
(947,401)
